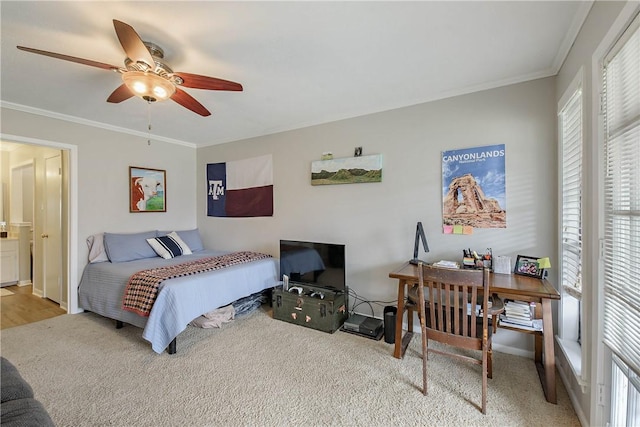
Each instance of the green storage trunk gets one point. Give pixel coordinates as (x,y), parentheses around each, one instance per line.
(326,314)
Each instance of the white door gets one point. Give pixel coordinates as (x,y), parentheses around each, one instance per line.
(51,234)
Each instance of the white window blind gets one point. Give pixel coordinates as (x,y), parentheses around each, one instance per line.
(625,395)
(571,135)
(621,102)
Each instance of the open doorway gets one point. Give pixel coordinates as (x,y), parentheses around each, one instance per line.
(20,218)
(37,214)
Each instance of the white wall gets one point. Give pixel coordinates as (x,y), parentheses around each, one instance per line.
(103,164)
(377,221)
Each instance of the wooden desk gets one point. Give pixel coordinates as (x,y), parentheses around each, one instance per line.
(507,286)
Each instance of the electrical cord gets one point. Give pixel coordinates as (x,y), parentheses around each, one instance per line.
(358,301)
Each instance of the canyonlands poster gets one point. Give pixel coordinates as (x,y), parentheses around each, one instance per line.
(473,187)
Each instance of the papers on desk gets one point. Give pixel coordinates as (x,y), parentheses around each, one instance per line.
(446,264)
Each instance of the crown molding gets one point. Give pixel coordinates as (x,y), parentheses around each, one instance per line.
(85,122)
(572,34)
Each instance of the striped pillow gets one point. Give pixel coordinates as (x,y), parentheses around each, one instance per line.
(169,246)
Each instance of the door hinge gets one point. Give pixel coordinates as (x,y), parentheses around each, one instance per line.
(601,394)
(602,102)
(601,249)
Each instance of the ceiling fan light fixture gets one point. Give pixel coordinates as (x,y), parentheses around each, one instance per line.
(146,75)
(148,86)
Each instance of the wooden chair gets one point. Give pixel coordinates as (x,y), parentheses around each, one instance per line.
(497,307)
(446,306)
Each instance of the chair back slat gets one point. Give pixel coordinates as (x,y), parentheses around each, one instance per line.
(453,291)
(472,309)
(447,313)
(433,297)
(465,297)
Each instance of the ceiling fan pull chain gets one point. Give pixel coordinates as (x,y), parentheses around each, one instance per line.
(149,122)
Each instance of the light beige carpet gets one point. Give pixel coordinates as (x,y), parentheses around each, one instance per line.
(5,292)
(257,371)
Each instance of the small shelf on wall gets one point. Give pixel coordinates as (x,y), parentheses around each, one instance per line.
(347,170)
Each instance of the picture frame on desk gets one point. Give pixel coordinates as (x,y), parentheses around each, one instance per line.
(528,266)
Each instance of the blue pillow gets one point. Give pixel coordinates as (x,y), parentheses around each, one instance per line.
(190,237)
(129,247)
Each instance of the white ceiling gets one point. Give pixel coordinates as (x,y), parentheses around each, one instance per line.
(301,63)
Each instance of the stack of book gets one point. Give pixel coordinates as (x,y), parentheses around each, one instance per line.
(478,308)
(519,314)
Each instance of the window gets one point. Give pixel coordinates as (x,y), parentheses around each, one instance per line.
(621,246)
(625,395)
(570,122)
(571,142)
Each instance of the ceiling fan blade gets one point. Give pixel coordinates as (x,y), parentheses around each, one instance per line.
(189,102)
(132,44)
(122,93)
(203,82)
(70,58)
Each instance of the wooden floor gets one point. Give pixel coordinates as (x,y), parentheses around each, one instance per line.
(23,307)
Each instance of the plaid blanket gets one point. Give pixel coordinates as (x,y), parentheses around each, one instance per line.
(142,289)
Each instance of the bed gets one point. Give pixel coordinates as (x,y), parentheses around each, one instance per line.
(114,258)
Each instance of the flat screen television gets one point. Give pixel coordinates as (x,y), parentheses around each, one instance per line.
(316,264)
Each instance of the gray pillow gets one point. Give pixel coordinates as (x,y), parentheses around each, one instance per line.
(190,237)
(129,247)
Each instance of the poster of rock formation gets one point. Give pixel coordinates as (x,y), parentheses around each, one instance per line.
(473,187)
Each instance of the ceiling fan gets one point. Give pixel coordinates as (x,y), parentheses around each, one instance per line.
(146,75)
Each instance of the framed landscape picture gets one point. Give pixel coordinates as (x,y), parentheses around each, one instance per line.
(147,190)
(348,170)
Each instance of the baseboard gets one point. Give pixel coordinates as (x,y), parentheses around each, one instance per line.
(512,350)
(575,402)
(5,284)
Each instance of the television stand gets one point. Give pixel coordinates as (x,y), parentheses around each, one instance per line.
(314,307)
